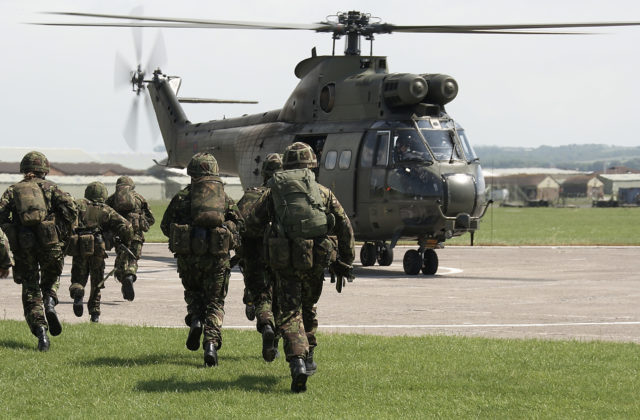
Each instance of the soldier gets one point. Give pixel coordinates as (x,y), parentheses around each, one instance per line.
(6,261)
(258,278)
(94,219)
(302,215)
(38,218)
(202,222)
(133,207)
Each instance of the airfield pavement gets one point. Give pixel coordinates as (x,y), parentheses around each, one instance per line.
(584,293)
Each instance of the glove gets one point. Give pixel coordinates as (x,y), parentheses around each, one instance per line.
(341,271)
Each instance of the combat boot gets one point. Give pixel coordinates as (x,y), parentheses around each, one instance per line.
(250,311)
(193,339)
(268,341)
(77,303)
(309,364)
(298,375)
(52,317)
(43,339)
(127,287)
(210,354)
(95,317)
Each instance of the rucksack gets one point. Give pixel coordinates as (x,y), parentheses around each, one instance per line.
(92,217)
(30,203)
(124,200)
(250,197)
(299,207)
(208,202)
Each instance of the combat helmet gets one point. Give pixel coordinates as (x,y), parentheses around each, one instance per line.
(299,155)
(34,162)
(202,164)
(271,164)
(125,180)
(96,191)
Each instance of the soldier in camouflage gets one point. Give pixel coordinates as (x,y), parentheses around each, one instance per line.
(6,260)
(202,222)
(299,260)
(38,219)
(135,209)
(258,277)
(95,218)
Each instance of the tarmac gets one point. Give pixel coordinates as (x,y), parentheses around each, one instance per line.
(581,293)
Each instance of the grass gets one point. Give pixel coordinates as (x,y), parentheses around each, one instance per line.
(527,226)
(109,371)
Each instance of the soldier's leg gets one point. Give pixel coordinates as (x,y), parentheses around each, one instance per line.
(288,292)
(97,284)
(51,263)
(191,274)
(26,271)
(79,276)
(216,286)
(311,291)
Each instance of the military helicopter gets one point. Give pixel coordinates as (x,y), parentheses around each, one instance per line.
(400,165)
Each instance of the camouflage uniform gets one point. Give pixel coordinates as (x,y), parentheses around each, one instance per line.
(6,260)
(205,278)
(298,291)
(258,277)
(126,264)
(94,217)
(37,266)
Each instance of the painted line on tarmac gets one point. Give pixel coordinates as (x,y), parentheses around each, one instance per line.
(438,326)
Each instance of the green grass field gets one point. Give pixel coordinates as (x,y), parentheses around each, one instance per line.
(528,226)
(109,371)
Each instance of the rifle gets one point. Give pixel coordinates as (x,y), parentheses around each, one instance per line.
(120,245)
(108,275)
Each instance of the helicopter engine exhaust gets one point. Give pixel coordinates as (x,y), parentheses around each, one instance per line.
(442,88)
(404,89)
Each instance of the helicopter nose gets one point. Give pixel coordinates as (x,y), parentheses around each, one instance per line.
(459,194)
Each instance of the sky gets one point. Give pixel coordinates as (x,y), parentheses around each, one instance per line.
(515,90)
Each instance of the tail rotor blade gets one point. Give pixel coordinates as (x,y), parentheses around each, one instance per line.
(122,72)
(130,132)
(151,117)
(158,57)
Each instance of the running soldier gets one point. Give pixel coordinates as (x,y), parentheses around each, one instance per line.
(302,214)
(201,223)
(133,207)
(258,277)
(38,218)
(95,218)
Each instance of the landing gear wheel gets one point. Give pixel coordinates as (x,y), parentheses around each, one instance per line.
(430,262)
(385,256)
(412,262)
(368,254)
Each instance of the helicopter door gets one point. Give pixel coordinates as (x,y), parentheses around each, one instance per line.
(338,167)
(374,159)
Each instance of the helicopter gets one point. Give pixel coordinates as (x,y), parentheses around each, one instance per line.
(399,164)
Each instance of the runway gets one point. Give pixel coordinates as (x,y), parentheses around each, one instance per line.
(584,293)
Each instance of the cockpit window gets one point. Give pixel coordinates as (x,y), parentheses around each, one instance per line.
(466,146)
(441,143)
(408,146)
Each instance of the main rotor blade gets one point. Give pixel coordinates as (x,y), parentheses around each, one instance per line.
(137,36)
(515,28)
(130,132)
(158,57)
(185,23)
(122,72)
(187,100)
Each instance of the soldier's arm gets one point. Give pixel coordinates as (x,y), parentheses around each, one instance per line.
(119,225)
(5,206)
(6,261)
(147,211)
(233,214)
(172,214)
(65,207)
(258,216)
(342,229)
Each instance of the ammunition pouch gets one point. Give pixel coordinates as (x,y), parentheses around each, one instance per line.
(221,242)
(279,253)
(47,233)
(180,239)
(199,238)
(26,238)
(86,245)
(302,253)
(325,251)
(72,245)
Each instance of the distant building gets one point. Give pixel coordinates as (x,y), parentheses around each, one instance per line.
(582,186)
(526,187)
(613,183)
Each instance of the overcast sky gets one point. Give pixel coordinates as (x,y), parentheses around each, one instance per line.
(515,90)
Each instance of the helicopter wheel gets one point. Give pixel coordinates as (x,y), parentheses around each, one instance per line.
(368,254)
(412,262)
(430,262)
(385,255)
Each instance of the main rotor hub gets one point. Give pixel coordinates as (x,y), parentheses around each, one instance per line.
(137,80)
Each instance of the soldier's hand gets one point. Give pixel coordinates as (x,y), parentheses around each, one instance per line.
(342,270)
(4,273)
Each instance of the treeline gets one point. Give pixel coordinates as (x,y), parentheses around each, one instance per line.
(583,157)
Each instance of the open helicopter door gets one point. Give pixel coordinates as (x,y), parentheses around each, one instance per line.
(338,167)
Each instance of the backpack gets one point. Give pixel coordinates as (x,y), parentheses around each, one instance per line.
(300,212)
(124,200)
(30,203)
(208,202)
(93,216)
(250,197)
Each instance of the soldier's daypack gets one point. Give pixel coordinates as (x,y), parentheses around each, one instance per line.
(124,199)
(92,217)
(251,195)
(300,211)
(207,202)
(30,203)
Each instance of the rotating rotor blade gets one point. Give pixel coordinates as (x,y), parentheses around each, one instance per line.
(137,36)
(122,72)
(158,57)
(187,100)
(514,29)
(151,118)
(130,132)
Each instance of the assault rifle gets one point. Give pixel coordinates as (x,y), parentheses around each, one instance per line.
(121,246)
